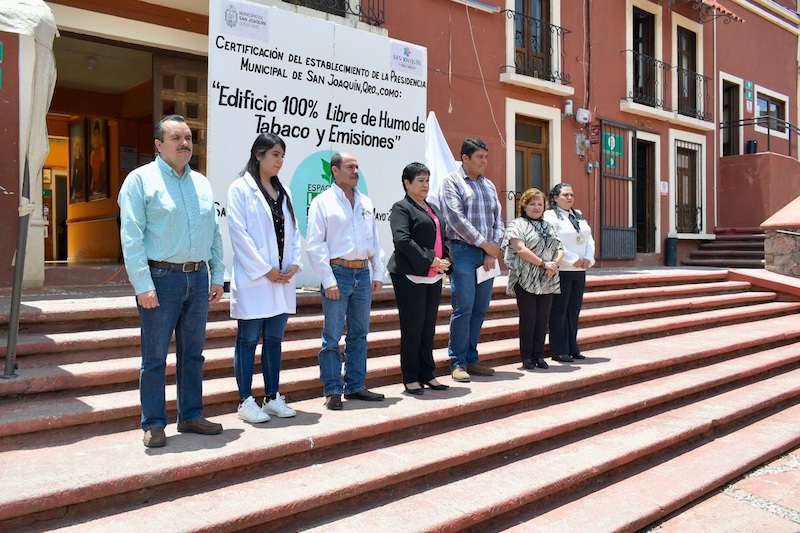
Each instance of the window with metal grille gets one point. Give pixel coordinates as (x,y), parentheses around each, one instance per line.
(772,112)
(688,187)
(532,36)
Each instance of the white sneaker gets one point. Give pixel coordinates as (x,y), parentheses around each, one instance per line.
(278,407)
(249,412)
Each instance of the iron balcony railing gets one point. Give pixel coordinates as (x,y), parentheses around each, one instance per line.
(649,80)
(372,12)
(775,127)
(538,48)
(693,95)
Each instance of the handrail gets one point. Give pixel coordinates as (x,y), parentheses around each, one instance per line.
(649,80)
(693,95)
(772,124)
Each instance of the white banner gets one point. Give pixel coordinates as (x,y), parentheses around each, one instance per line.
(323,88)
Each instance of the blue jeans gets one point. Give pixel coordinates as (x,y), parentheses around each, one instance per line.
(183,308)
(353,305)
(249,332)
(470,302)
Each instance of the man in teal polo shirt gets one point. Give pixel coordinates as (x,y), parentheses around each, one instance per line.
(170,241)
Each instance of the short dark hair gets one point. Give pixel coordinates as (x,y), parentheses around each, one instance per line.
(413,170)
(160,125)
(555,192)
(336,160)
(527,196)
(472,145)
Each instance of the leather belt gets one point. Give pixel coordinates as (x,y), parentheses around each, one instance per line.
(183,267)
(356,263)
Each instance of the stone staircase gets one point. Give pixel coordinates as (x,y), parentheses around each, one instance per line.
(732,248)
(692,377)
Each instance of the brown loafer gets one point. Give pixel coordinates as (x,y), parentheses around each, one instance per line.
(200,425)
(334,402)
(154,437)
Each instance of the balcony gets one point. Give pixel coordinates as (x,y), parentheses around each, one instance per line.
(694,100)
(372,12)
(649,83)
(538,49)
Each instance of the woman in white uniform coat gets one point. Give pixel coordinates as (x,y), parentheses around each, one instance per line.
(266,256)
(575,234)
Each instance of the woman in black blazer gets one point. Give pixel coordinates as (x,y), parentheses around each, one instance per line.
(419,262)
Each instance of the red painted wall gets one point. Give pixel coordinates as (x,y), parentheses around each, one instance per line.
(754,187)
(9,154)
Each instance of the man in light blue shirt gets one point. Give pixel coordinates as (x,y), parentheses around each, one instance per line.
(170,241)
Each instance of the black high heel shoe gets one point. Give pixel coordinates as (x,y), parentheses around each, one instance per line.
(416,392)
(438,386)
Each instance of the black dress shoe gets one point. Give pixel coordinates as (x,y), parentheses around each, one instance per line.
(527,364)
(434,386)
(417,392)
(334,402)
(541,363)
(366,395)
(578,356)
(563,358)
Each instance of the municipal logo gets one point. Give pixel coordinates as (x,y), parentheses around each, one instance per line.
(231,17)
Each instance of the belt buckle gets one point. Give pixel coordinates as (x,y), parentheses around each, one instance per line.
(192,267)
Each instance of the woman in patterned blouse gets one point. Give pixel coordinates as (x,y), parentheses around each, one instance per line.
(531,250)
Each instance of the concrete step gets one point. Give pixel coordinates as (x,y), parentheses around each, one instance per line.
(60,376)
(728,230)
(741,236)
(732,245)
(725,263)
(457,427)
(82,341)
(519,481)
(631,503)
(727,254)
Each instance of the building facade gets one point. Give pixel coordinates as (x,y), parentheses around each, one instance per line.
(669,118)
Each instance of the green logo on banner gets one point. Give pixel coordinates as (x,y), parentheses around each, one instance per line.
(312,177)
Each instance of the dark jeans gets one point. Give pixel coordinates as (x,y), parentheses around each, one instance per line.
(418,305)
(183,308)
(249,332)
(564,313)
(534,312)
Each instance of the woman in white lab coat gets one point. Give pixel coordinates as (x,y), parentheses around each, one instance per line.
(266,256)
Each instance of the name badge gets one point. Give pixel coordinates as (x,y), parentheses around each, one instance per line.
(580,239)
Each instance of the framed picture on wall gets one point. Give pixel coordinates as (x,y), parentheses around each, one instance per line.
(98,170)
(77,161)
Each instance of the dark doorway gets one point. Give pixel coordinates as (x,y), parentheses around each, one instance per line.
(645,194)
(60,217)
(731,115)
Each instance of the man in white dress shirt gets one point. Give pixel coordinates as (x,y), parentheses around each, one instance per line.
(342,242)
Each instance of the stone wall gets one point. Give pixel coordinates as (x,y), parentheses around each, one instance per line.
(782,251)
